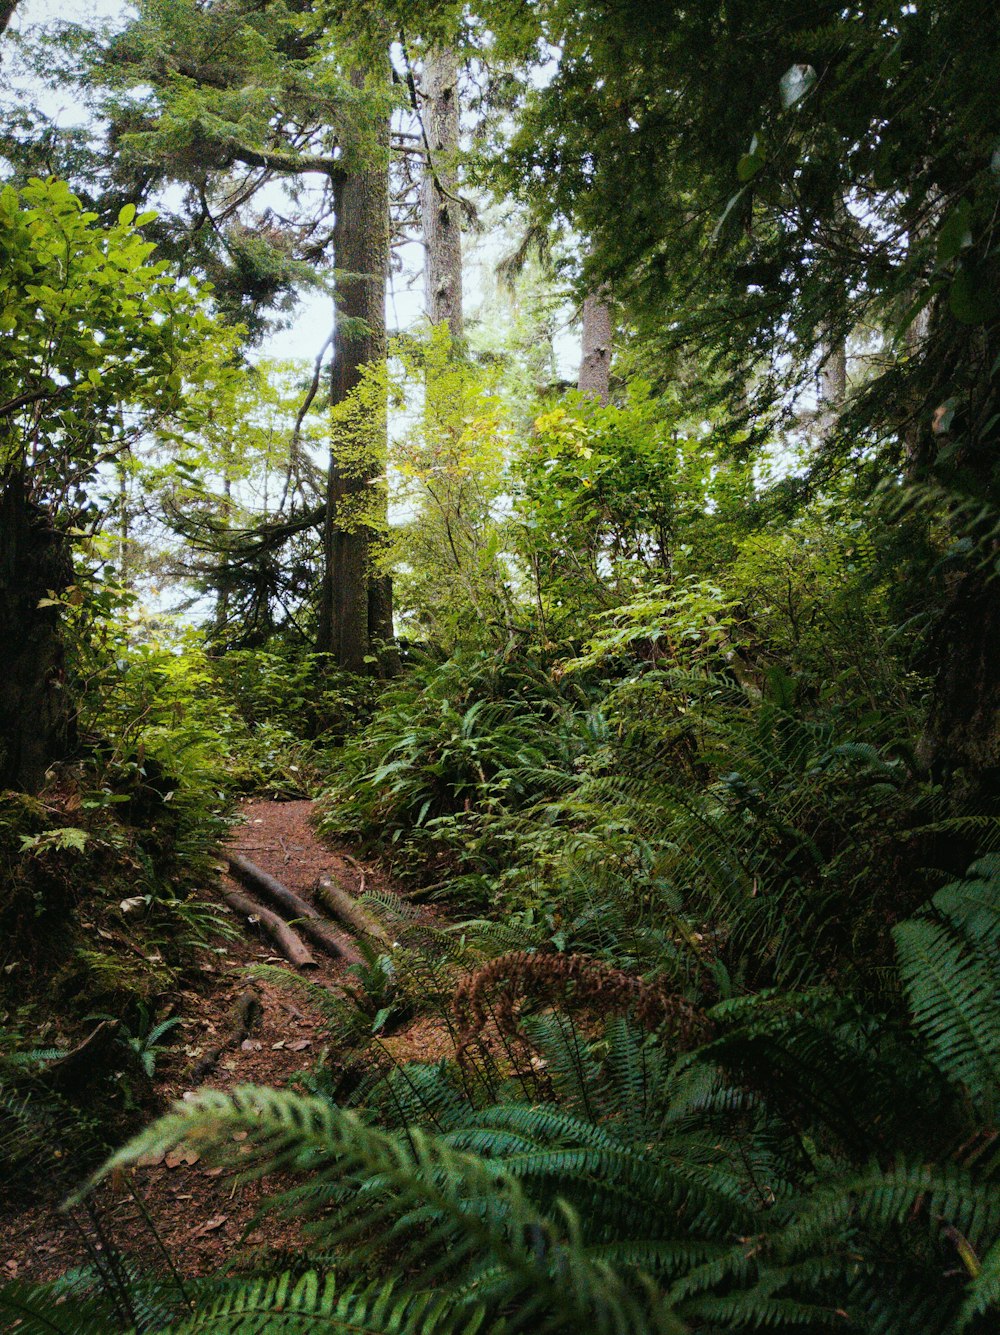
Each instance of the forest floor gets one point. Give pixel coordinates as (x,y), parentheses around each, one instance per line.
(199,1214)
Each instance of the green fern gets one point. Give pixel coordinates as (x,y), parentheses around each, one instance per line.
(984,1291)
(954,994)
(312,1302)
(444,1213)
(47,1309)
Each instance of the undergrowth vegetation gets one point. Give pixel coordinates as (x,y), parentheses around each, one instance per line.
(721,1036)
(716,983)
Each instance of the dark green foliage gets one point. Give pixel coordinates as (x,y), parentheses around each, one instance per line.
(291,709)
(762,186)
(42,1309)
(628,814)
(949,966)
(754,173)
(314,1302)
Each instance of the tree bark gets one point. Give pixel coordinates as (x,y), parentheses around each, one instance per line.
(833,376)
(291,946)
(595,366)
(356,607)
(36,717)
(831,386)
(440,210)
(961,738)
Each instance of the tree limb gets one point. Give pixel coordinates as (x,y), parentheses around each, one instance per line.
(32,395)
(7,8)
(287,163)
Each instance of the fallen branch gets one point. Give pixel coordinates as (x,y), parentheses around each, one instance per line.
(344,906)
(358,868)
(247,1012)
(294,950)
(307,919)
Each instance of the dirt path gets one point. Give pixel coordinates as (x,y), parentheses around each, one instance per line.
(198,1214)
(278,836)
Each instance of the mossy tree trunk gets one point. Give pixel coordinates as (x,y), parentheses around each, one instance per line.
(355,618)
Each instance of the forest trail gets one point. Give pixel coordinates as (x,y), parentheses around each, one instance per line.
(199,1216)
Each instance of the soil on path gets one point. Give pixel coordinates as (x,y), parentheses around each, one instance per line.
(199,1215)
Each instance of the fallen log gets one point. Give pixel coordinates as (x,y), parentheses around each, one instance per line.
(344,906)
(291,946)
(307,920)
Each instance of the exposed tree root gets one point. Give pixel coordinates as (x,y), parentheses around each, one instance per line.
(76,1068)
(247,1014)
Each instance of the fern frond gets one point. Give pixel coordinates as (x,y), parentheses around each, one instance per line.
(47,1309)
(569,1063)
(442,1212)
(973,905)
(984,1291)
(634,1076)
(421,1094)
(920,1196)
(313,1303)
(954,997)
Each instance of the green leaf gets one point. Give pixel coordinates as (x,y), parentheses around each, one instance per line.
(969,298)
(126,215)
(749,165)
(751,161)
(956,232)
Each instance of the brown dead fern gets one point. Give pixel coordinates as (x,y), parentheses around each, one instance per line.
(493,992)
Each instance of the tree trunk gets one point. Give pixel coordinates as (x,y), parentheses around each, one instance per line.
(831,386)
(833,376)
(595,366)
(7,8)
(36,723)
(356,607)
(440,211)
(961,740)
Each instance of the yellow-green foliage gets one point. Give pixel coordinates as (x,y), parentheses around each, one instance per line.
(449,456)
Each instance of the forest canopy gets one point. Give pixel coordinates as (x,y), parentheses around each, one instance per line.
(500,729)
